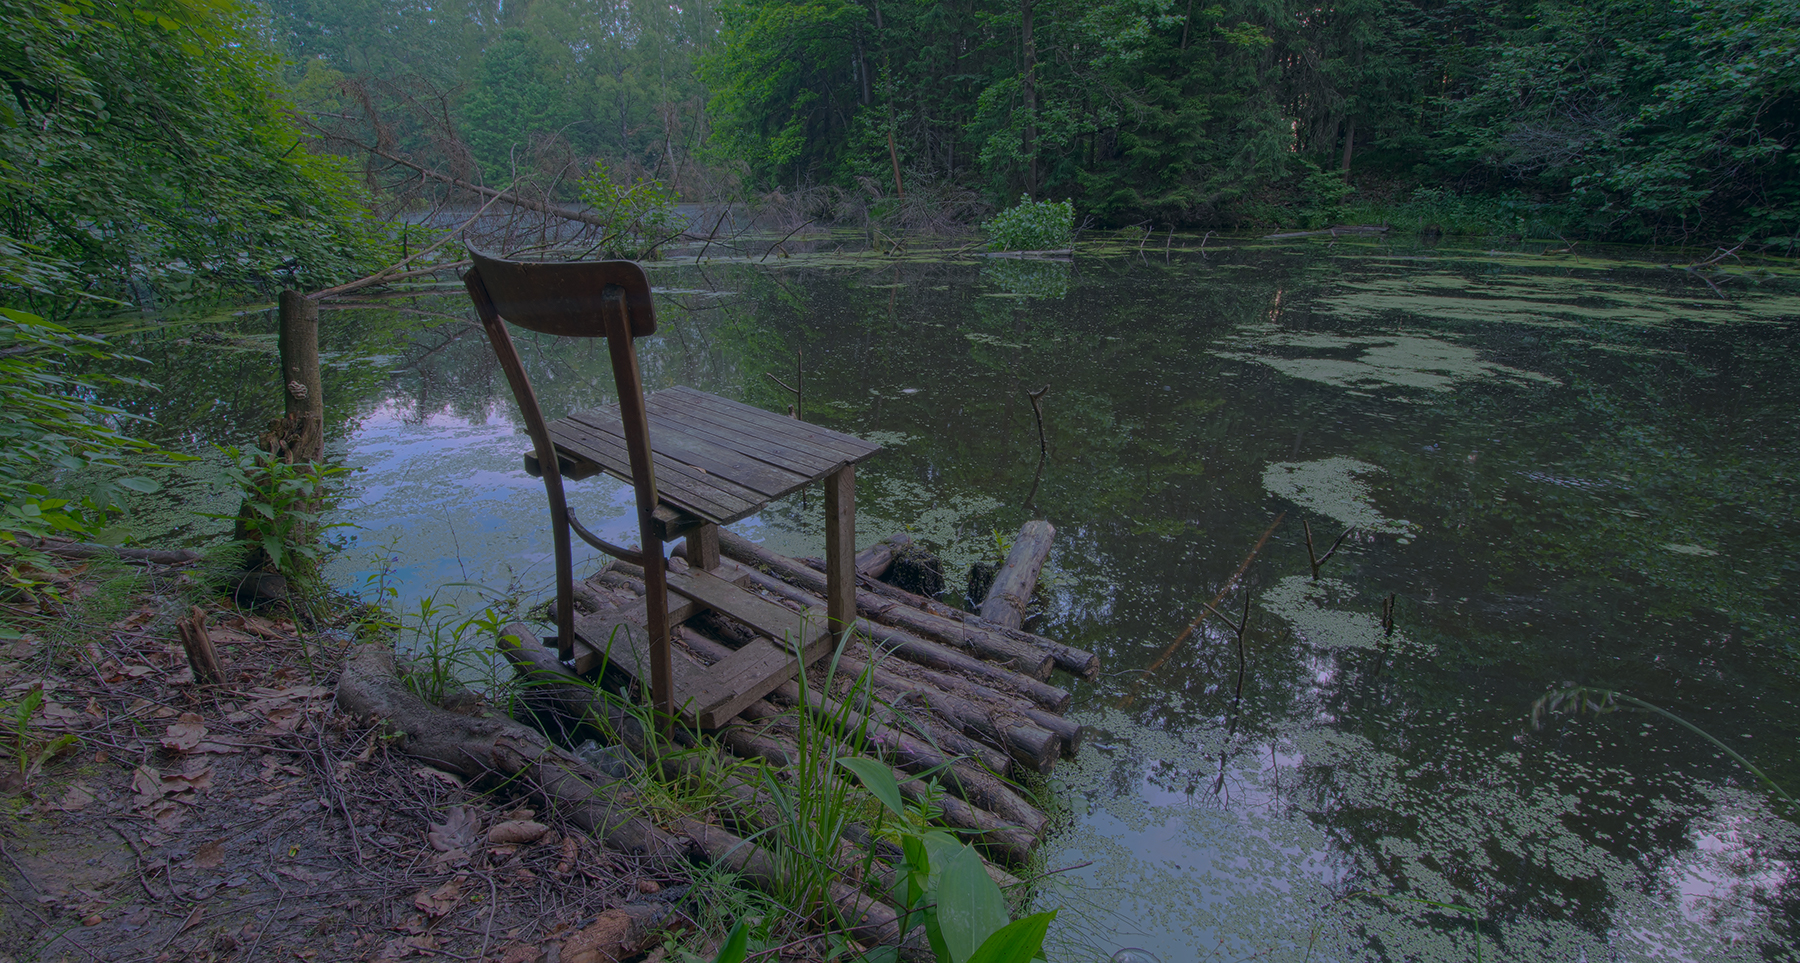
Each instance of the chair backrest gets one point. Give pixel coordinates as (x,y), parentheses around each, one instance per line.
(566,298)
(582,299)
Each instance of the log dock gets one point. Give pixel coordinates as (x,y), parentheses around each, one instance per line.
(939,694)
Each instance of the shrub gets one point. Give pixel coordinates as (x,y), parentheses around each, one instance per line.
(639,218)
(1032,226)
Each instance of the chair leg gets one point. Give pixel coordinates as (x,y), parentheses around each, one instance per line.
(840,547)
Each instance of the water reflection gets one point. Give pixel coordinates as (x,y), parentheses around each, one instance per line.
(1568,473)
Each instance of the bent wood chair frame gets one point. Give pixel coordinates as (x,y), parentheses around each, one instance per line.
(609,299)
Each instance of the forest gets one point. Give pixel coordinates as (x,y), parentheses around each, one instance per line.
(164,135)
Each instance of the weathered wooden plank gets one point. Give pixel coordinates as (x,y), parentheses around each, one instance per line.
(715,500)
(852,447)
(670,442)
(676,483)
(731,421)
(791,628)
(746,441)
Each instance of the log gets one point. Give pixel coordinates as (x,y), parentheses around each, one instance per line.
(489,749)
(941,736)
(899,681)
(552,687)
(203,658)
(979,788)
(1017,578)
(150,556)
(926,652)
(989,645)
(750,738)
(874,561)
(1069,658)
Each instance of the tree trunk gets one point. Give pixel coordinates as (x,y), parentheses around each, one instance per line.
(1349,143)
(1017,579)
(303,434)
(1030,90)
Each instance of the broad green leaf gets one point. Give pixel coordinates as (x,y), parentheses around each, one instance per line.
(879,780)
(138,484)
(737,945)
(1016,942)
(970,907)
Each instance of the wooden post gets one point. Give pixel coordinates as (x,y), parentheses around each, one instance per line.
(202,657)
(840,547)
(301,387)
(703,547)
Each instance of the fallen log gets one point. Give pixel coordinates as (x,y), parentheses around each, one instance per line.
(874,561)
(153,556)
(1068,657)
(906,645)
(1020,657)
(492,749)
(1017,578)
(994,835)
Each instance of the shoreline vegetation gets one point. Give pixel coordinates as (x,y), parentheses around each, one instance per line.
(160,153)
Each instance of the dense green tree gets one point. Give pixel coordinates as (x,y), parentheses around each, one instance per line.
(149,148)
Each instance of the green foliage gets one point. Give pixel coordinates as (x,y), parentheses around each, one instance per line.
(1032,226)
(943,881)
(284,507)
(639,218)
(146,145)
(63,455)
(445,649)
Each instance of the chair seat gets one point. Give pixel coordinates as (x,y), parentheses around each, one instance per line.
(717,461)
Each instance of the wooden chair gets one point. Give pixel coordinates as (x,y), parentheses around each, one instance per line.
(720,461)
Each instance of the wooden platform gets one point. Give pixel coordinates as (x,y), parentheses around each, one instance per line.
(937,693)
(708,696)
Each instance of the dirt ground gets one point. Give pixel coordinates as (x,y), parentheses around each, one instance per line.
(151,818)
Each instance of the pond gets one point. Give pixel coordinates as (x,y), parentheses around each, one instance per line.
(1561,471)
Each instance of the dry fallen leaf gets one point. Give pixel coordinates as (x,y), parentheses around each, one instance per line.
(516,831)
(184,736)
(441,901)
(458,831)
(210,855)
(77,797)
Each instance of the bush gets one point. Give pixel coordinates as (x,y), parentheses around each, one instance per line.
(639,218)
(1032,226)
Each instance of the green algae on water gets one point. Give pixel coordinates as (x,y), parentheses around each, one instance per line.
(1334,487)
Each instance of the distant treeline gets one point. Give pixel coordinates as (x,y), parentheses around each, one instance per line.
(1621,118)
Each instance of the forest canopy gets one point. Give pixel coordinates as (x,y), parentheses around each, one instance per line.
(1625,119)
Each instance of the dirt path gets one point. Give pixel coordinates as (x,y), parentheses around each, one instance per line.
(252,821)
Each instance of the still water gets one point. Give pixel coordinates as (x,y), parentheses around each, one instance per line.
(1561,471)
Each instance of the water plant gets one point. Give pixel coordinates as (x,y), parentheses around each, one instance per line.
(1032,226)
(1581,698)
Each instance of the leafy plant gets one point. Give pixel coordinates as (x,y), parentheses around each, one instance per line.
(639,217)
(20,740)
(943,882)
(445,648)
(284,507)
(1032,226)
